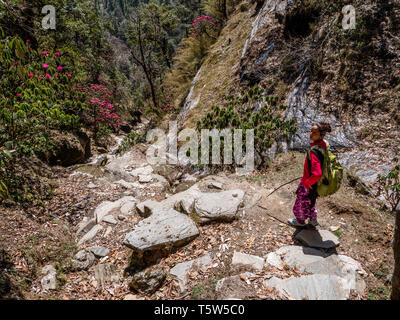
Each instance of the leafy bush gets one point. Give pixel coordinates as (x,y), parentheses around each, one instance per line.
(128,142)
(241,113)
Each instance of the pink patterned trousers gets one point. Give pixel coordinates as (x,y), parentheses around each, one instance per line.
(301,208)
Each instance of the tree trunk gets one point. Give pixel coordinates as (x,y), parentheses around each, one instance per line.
(146,70)
(396,249)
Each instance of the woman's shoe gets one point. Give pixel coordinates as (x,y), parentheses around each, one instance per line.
(314,222)
(293,222)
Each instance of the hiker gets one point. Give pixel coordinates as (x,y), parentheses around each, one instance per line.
(304,207)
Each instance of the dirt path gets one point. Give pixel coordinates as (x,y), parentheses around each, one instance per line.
(364,231)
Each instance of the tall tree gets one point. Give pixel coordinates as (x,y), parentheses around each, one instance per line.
(150,27)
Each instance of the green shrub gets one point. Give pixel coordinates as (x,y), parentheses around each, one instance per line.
(239,113)
(128,142)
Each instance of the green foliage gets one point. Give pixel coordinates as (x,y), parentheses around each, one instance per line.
(5,158)
(37,101)
(128,142)
(187,62)
(220,9)
(240,114)
(389,185)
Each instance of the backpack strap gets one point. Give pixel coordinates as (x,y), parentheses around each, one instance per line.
(319,152)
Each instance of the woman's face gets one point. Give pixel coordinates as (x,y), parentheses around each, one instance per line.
(315,135)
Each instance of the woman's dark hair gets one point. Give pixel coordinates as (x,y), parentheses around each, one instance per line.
(324,128)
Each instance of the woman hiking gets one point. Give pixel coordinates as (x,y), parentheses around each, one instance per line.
(304,207)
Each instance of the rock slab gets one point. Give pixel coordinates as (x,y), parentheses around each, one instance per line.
(340,274)
(323,239)
(254,262)
(181,270)
(218,206)
(165,229)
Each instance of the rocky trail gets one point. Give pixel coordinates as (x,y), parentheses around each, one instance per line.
(144,232)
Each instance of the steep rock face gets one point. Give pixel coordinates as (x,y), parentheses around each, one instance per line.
(267,58)
(299,52)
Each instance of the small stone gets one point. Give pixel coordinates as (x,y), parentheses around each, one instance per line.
(109,219)
(92,186)
(148,281)
(108,231)
(85,226)
(181,270)
(121,217)
(99,251)
(49,281)
(215,185)
(127,208)
(83,260)
(334,228)
(91,234)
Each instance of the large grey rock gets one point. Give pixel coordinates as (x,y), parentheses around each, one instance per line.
(161,230)
(108,207)
(181,270)
(91,234)
(311,287)
(182,201)
(83,260)
(249,260)
(218,206)
(49,281)
(312,260)
(148,281)
(318,238)
(342,269)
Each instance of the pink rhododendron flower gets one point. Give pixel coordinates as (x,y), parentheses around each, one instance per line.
(39,77)
(18,95)
(30,75)
(59,68)
(45,66)
(47,75)
(57,54)
(44,52)
(69,75)
(28,40)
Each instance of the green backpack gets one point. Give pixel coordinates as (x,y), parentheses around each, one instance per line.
(332,171)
